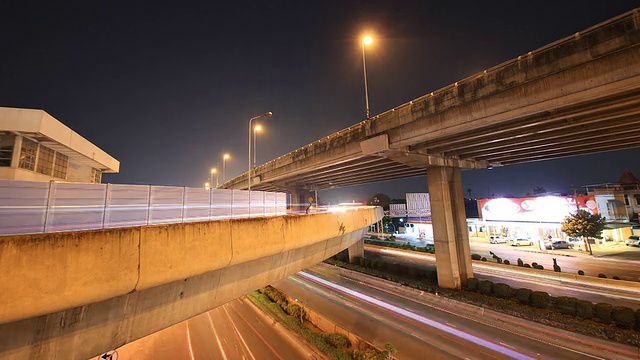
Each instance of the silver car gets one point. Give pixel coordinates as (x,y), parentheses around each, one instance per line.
(558,244)
(521,242)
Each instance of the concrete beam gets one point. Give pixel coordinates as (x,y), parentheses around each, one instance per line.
(421,160)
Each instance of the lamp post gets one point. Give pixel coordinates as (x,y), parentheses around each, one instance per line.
(214,171)
(267,114)
(256,129)
(224,165)
(366,41)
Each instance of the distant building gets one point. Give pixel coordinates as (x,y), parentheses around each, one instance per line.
(35,146)
(531,217)
(539,218)
(618,202)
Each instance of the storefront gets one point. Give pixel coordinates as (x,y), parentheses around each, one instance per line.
(536,218)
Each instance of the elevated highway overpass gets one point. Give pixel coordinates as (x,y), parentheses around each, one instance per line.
(578,95)
(74,295)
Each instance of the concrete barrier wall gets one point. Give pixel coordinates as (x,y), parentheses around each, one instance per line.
(46,273)
(45,266)
(89,330)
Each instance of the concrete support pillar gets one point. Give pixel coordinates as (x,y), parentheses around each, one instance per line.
(451,239)
(17,148)
(356,250)
(299,199)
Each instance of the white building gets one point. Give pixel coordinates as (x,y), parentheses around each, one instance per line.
(35,146)
(618,201)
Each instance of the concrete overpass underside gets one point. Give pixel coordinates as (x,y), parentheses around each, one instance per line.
(578,95)
(78,294)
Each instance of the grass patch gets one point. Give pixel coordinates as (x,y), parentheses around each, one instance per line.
(340,350)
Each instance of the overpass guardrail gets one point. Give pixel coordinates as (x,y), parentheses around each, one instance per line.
(30,207)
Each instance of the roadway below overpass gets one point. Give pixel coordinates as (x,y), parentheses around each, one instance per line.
(74,295)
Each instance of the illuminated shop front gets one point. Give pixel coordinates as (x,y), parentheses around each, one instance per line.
(532,217)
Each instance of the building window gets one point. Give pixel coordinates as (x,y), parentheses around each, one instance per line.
(45,160)
(28,154)
(637,197)
(626,200)
(60,167)
(96,176)
(6,149)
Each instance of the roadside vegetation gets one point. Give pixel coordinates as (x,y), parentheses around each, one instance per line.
(617,323)
(584,224)
(293,316)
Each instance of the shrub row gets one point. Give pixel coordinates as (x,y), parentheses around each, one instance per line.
(621,316)
(426,249)
(533,265)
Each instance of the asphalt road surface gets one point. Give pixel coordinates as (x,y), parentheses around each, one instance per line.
(569,260)
(236,330)
(425,326)
(533,280)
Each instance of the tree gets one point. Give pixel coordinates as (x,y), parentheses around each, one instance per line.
(380,199)
(388,223)
(539,190)
(584,224)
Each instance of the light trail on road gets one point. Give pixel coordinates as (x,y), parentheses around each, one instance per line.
(443,327)
(235,330)
(400,321)
(535,280)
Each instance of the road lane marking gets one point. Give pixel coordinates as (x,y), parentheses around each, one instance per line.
(189,342)
(215,333)
(238,332)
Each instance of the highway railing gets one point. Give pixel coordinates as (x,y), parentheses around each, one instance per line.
(28,207)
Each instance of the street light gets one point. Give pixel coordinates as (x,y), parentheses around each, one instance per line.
(366,41)
(224,165)
(267,114)
(256,129)
(214,171)
(206,185)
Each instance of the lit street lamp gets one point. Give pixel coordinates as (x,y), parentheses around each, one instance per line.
(256,129)
(366,41)
(267,114)
(224,163)
(214,171)
(206,185)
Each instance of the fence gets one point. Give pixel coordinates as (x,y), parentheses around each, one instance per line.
(28,207)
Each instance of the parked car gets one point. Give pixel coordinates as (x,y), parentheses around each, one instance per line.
(521,242)
(498,239)
(633,240)
(580,241)
(558,244)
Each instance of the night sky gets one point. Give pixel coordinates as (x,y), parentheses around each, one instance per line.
(168,87)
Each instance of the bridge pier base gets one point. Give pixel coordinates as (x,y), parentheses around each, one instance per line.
(299,200)
(356,250)
(451,238)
